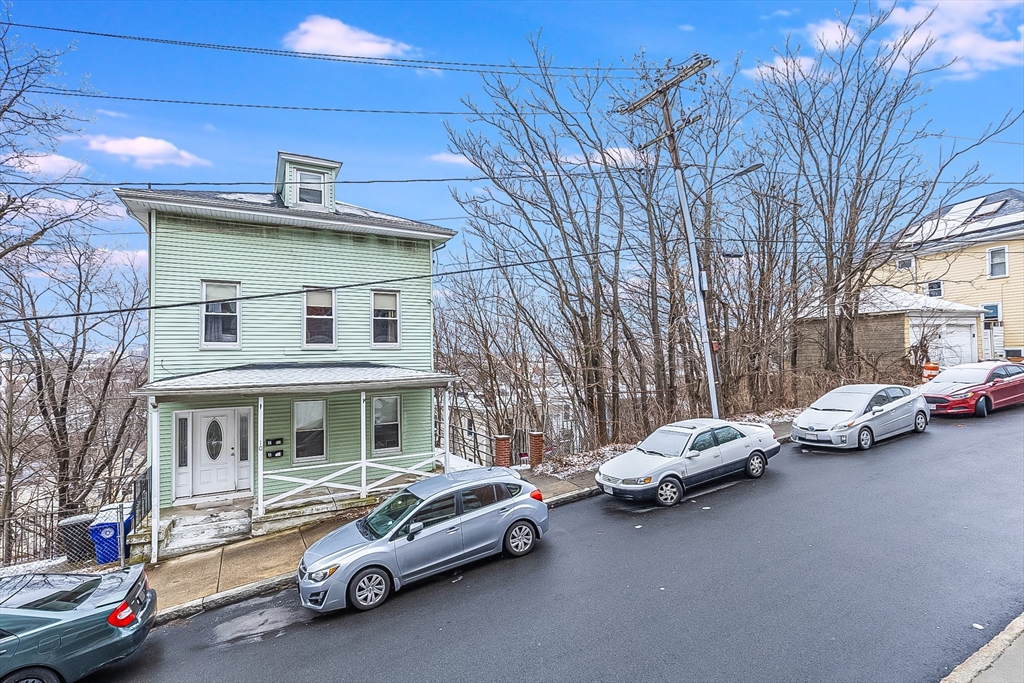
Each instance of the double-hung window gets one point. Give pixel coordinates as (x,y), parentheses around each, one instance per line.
(997,262)
(221,320)
(387,432)
(386,323)
(310,434)
(311,188)
(318,319)
(934,288)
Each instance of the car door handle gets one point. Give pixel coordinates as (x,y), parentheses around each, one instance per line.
(3,652)
(503,510)
(453,530)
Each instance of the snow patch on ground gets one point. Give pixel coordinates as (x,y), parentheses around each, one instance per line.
(570,465)
(774,416)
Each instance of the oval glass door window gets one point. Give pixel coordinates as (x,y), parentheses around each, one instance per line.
(214,440)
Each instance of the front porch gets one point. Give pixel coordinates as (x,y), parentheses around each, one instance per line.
(247,451)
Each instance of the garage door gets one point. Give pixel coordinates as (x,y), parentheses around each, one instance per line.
(952,345)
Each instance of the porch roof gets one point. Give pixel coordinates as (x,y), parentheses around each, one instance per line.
(294,378)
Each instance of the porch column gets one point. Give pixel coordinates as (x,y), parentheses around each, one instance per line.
(446,443)
(154,463)
(362,443)
(259,457)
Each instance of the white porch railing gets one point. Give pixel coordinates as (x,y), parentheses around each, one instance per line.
(305,478)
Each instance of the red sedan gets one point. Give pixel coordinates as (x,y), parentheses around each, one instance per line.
(975,388)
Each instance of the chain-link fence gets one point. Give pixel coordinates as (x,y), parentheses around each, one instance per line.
(46,541)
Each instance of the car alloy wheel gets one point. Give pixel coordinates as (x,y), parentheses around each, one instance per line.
(669,492)
(865,439)
(519,538)
(755,465)
(920,422)
(369,589)
(34,674)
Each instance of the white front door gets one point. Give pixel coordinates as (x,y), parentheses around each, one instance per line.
(215,466)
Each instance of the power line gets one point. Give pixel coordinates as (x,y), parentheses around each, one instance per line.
(371,283)
(430,64)
(277,107)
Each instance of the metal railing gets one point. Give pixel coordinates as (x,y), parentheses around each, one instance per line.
(142,497)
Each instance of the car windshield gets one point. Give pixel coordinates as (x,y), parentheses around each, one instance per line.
(963,375)
(840,401)
(391,512)
(665,443)
(53,592)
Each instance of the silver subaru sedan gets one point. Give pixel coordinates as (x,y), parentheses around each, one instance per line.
(425,528)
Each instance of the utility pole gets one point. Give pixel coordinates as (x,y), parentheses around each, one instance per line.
(661,93)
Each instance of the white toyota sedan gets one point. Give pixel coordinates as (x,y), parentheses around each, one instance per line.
(683,454)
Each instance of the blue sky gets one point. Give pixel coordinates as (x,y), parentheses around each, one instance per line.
(175,143)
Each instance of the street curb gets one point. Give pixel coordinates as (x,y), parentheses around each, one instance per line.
(972,667)
(227,597)
(572,496)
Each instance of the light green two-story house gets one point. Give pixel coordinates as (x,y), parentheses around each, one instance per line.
(309,364)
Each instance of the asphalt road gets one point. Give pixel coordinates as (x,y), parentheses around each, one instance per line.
(832,567)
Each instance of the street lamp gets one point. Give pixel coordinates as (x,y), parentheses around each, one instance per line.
(700,278)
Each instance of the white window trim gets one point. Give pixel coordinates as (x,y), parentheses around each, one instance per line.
(185,472)
(988,262)
(906,258)
(295,442)
(398,312)
(334,323)
(203,344)
(373,438)
(999,311)
(322,204)
(942,288)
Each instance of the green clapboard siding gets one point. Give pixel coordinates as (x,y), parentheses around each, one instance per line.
(342,434)
(188,250)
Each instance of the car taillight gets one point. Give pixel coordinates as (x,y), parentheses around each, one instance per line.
(121,616)
(535,494)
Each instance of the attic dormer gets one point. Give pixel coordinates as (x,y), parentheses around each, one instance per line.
(306,182)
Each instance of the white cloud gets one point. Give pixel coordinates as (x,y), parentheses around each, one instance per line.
(449,158)
(985,35)
(331,36)
(778,13)
(130,258)
(801,64)
(686,27)
(145,152)
(52,165)
(830,34)
(112,114)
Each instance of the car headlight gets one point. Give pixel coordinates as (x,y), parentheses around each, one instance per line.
(962,394)
(843,425)
(637,481)
(322,574)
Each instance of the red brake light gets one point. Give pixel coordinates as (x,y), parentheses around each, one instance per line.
(121,616)
(535,494)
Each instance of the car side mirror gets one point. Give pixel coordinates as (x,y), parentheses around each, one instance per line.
(998,380)
(414,529)
(692,454)
(877,409)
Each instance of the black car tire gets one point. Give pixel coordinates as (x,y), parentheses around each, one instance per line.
(756,465)
(663,496)
(371,581)
(920,422)
(981,407)
(865,443)
(35,674)
(520,538)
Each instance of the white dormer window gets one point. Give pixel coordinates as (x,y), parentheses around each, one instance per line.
(311,188)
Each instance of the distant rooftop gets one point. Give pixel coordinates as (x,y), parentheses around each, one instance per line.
(988,215)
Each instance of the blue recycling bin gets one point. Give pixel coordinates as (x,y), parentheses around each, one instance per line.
(105,535)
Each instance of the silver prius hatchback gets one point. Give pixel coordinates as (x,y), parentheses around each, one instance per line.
(425,528)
